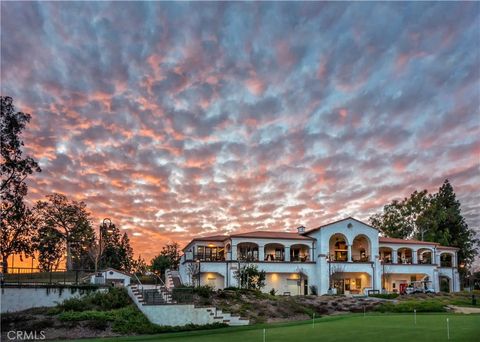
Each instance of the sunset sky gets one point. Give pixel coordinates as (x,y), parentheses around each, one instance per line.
(181,119)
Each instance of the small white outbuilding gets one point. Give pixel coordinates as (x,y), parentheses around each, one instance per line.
(110,276)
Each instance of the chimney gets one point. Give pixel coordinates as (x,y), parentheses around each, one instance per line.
(301,230)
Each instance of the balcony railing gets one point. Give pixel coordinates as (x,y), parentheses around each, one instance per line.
(247,258)
(342,258)
(203,257)
(445,264)
(300,258)
(364,258)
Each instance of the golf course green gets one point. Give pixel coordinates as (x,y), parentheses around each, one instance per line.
(358,328)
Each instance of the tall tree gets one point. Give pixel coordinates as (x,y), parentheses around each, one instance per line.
(435,218)
(172,252)
(116,250)
(160,263)
(402,219)
(72,220)
(139,266)
(17,227)
(49,244)
(126,253)
(448,226)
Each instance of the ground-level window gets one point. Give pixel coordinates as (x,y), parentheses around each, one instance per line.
(358,283)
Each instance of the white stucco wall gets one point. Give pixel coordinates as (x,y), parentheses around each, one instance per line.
(318,269)
(22,298)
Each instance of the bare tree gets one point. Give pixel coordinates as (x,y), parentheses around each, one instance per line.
(193,270)
(386,275)
(338,273)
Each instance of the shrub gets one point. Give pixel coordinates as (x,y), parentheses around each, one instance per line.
(409,306)
(272,292)
(74,304)
(385,295)
(115,298)
(313,290)
(204,291)
(127,320)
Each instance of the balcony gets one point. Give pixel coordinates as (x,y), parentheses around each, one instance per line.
(363,258)
(203,257)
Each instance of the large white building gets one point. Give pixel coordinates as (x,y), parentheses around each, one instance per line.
(347,256)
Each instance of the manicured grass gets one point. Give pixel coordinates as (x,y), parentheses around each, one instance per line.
(372,327)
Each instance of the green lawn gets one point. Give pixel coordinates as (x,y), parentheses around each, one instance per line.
(382,327)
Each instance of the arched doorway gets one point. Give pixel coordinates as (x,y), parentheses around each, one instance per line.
(404,255)
(338,248)
(247,251)
(274,252)
(445,284)
(446,260)
(386,255)
(424,256)
(361,249)
(299,253)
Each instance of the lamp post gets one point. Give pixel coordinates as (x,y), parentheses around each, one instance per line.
(383,275)
(104,229)
(329,273)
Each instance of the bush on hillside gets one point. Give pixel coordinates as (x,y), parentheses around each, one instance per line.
(385,295)
(128,320)
(409,306)
(115,298)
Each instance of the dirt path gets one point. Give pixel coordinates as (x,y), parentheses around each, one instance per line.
(464,310)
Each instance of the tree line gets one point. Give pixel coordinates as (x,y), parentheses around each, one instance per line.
(433,217)
(57,227)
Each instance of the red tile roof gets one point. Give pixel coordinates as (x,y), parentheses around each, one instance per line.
(272,235)
(405,241)
(328,224)
(448,247)
(219,238)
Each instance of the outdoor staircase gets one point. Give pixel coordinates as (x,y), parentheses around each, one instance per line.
(152,296)
(157,304)
(225,317)
(172,279)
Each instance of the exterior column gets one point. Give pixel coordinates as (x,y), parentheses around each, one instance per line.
(228,255)
(287,253)
(436,281)
(234,252)
(394,256)
(189,255)
(349,253)
(454,260)
(261,253)
(414,257)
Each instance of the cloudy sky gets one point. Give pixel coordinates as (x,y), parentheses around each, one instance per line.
(179,119)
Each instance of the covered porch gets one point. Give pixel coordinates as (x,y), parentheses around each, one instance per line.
(398,282)
(287,284)
(351,283)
